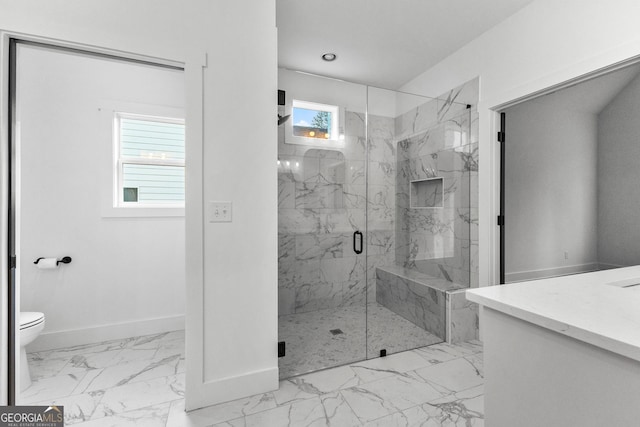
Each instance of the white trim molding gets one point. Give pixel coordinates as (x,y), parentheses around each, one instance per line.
(97,334)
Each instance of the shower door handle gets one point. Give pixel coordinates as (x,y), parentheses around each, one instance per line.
(357,242)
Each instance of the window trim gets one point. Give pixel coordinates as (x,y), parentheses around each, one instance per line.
(119,161)
(336,125)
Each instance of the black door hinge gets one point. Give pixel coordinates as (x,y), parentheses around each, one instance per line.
(13,261)
(281,349)
(501,136)
(500,219)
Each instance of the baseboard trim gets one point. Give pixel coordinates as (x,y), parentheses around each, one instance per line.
(546,273)
(606,266)
(231,388)
(96,334)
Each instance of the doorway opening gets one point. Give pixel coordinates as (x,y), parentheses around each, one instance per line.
(97,178)
(568,178)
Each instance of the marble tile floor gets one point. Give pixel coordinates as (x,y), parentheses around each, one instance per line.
(110,383)
(140,382)
(440,385)
(366,330)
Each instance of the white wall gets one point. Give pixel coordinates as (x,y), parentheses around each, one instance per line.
(240,258)
(231,268)
(354,97)
(544,44)
(619,175)
(551,190)
(127,274)
(307,87)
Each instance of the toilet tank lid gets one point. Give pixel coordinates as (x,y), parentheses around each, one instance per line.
(30,318)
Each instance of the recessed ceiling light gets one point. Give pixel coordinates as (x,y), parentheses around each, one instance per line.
(329,57)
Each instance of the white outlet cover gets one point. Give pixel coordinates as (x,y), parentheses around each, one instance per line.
(220,211)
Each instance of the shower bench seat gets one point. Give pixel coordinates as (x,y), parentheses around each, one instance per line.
(432,303)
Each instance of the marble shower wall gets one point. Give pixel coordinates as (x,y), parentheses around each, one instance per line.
(381,198)
(440,139)
(323,196)
(321,202)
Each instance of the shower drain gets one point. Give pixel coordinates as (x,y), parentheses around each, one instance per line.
(336,331)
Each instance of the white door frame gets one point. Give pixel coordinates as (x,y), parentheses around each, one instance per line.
(490,115)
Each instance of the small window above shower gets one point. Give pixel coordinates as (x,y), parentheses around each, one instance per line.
(426,193)
(315,124)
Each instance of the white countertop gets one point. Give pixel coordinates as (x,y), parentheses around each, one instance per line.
(581,306)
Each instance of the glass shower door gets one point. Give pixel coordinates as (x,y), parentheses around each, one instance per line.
(375,221)
(321,223)
(417,217)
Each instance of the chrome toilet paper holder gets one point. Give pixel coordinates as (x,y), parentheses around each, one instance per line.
(64,260)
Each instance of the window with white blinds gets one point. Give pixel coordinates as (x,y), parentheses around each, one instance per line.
(150,163)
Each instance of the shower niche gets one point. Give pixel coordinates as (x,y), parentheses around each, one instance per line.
(426,193)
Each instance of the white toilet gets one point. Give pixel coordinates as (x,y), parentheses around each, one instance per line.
(31,324)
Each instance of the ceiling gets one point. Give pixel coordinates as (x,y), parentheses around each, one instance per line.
(384,43)
(590,96)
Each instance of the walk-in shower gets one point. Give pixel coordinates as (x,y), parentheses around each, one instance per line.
(377,220)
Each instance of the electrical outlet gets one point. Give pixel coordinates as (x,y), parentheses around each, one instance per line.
(219,211)
(566,255)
